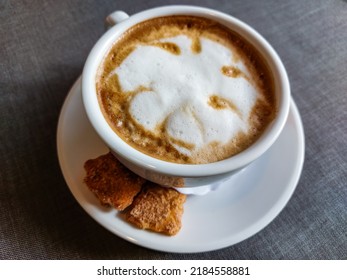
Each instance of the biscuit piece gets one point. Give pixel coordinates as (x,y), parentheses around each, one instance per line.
(174,182)
(158,209)
(111,182)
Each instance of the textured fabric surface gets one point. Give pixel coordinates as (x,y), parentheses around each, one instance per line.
(43,48)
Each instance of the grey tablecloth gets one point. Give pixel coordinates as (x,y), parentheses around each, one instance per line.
(43,48)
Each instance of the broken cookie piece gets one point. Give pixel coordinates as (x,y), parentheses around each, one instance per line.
(111,182)
(158,209)
(149,206)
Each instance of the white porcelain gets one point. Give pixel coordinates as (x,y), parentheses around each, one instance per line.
(115,18)
(155,169)
(238,209)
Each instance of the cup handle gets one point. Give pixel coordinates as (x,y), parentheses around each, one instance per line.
(114,18)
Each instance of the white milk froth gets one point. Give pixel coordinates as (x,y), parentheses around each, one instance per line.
(178,92)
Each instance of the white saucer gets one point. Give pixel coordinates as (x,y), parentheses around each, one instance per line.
(240,208)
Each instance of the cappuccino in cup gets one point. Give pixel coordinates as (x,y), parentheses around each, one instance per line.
(186,89)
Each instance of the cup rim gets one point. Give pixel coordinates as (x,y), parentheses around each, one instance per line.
(124,150)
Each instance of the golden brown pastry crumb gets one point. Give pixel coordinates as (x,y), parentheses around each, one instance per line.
(158,209)
(111,182)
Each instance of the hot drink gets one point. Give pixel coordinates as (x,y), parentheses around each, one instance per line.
(186,89)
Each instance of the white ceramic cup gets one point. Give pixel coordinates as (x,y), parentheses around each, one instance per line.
(189,178)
